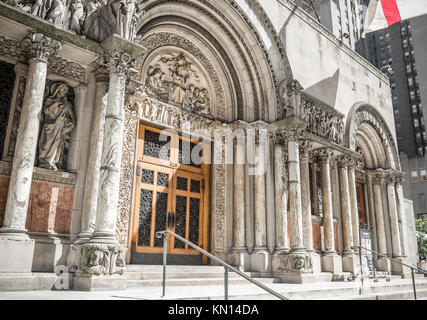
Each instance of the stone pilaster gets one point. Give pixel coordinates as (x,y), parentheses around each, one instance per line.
(14,241)
(121,57)
(331,262)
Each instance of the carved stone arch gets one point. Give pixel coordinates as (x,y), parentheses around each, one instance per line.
(366,118)
(238,46)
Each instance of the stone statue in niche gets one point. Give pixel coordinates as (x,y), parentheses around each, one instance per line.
(57,127)
(77,16)
(56,12)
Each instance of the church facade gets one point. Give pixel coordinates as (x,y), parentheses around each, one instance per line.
(243,126)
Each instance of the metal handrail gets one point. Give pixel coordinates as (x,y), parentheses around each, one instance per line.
(163,234)
(413,268)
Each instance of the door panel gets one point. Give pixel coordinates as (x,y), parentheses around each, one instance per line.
(170,193)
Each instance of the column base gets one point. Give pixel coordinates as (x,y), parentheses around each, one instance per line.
(398,269)
(17,252)
(260,260)
(240,259)
(89,282)
(350,263)
(316,261)
(331,262)
(384,264)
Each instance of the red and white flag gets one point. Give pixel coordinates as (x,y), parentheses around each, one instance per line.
(383,13)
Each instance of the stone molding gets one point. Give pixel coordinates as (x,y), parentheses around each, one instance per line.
(43,175)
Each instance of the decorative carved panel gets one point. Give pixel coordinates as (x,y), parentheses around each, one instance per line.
(7,82)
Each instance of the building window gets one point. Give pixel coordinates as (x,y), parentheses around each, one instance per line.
(416,123)
(424,175)
(422,200)
(414,176)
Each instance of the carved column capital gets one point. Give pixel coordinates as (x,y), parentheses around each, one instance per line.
(378,176)
(344,162)
(292,134)
(100,70)
(38,46)
(325,154)
(305,148)
(121,63)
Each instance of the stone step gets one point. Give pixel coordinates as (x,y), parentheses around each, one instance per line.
(27,281)
(173,268)
(394,295)
(178,275)
(192,282)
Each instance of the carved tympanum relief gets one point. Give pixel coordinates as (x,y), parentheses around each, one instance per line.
(173,78)
(58,123)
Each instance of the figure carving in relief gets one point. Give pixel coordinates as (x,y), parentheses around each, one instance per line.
(56,11)
(180,71)
(77,17)
(156,84)
(57,127)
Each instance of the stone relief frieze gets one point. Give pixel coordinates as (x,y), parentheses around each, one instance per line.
(323,121)
(176,80)
(11,48)
(58,123)
(94,19)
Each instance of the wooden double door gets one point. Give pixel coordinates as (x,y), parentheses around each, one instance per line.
(171,193)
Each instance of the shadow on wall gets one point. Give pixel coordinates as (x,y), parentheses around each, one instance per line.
(325,90)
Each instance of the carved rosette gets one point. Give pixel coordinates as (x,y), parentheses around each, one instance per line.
(38,46)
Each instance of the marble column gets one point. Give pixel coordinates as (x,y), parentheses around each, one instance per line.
(377,181)
(281,197)
(37,49)
(295,199)
(400,212)
(307,223)
(349,259)
(239,236)
(259,203)
(353,203)
(345,206)
(394,220)
(331,262)
(94,163)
